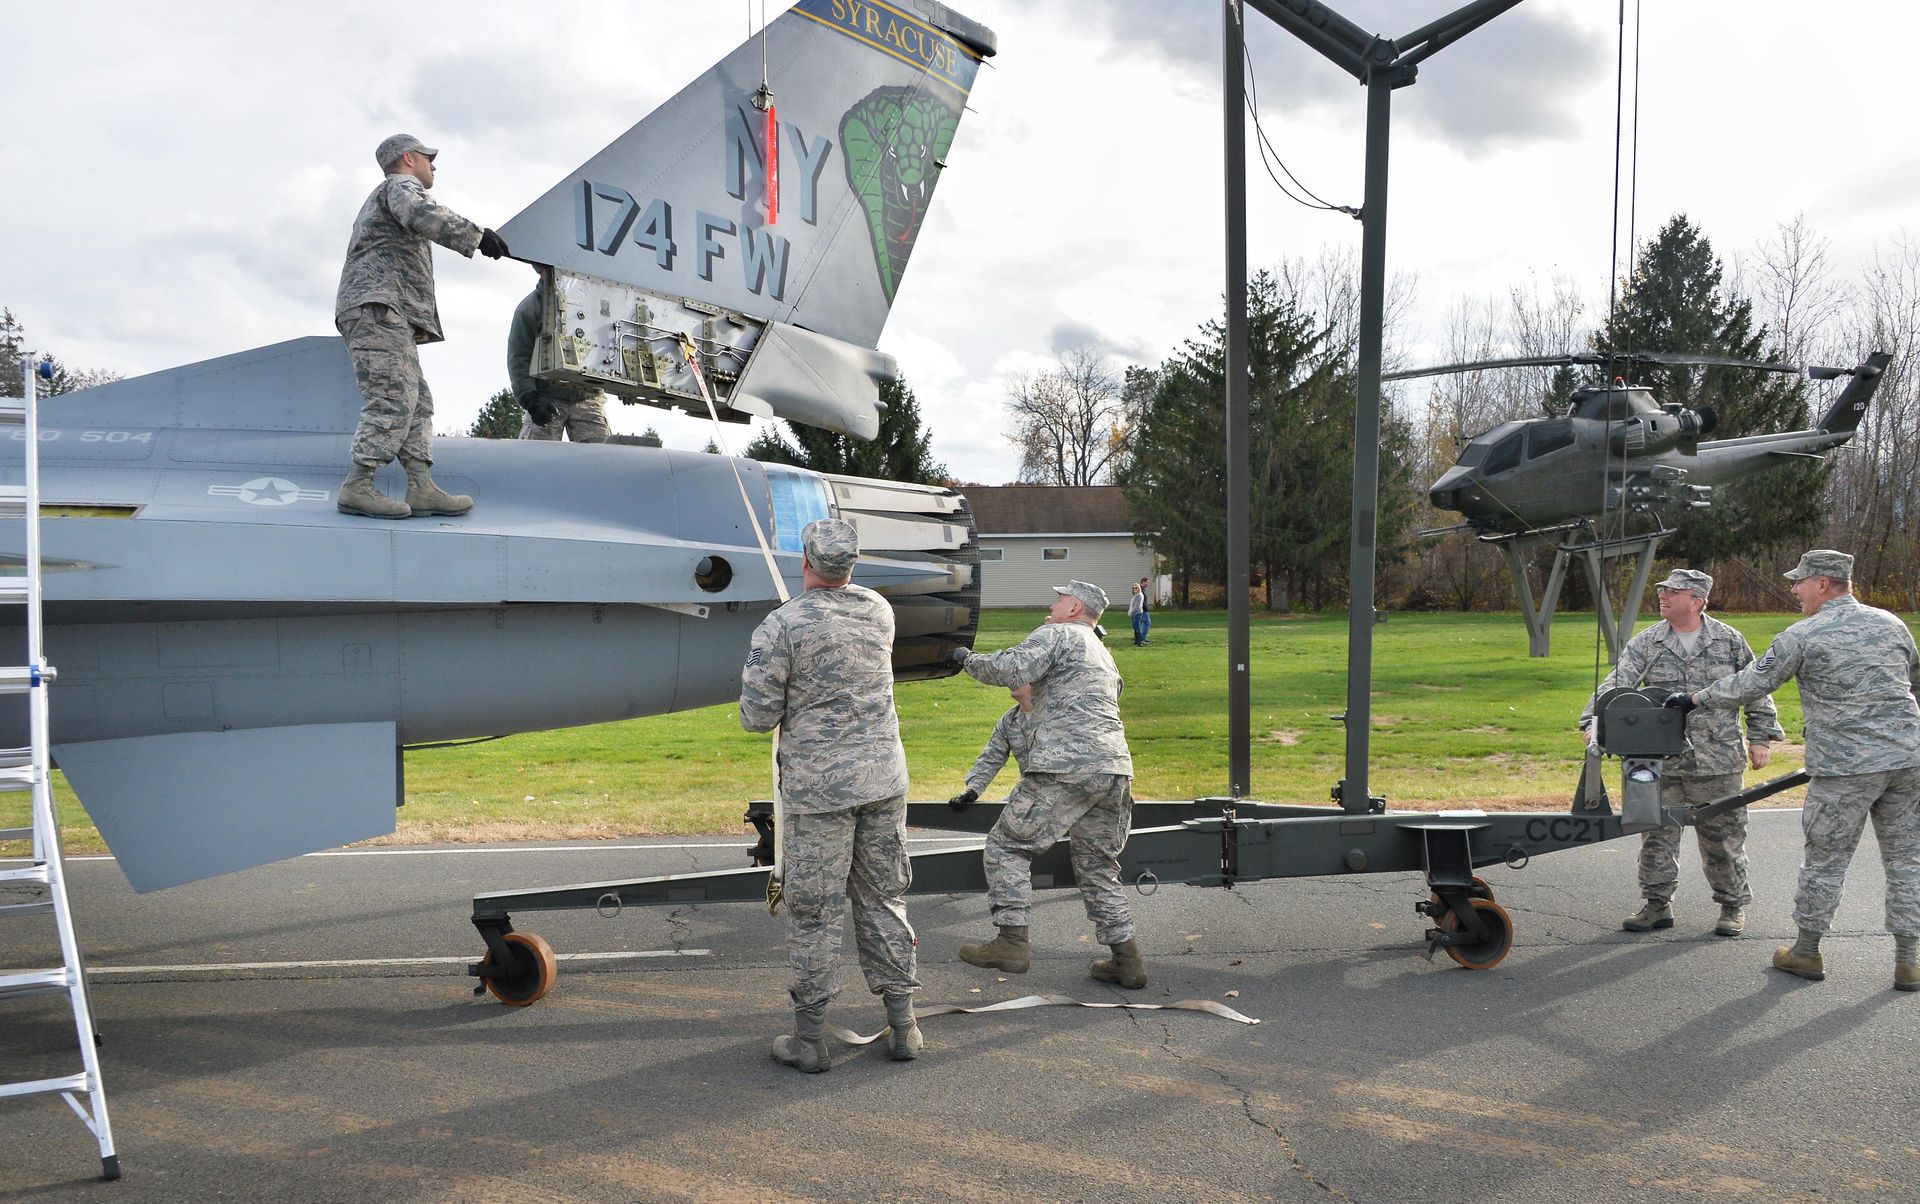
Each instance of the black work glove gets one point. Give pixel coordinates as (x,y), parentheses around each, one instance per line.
(963,800)
(492,245)
(1682,701)
(959,655)
(539,410)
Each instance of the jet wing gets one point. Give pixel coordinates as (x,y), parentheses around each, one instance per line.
(269,792)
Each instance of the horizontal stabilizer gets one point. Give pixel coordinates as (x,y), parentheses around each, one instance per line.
(299,386)
(190,805)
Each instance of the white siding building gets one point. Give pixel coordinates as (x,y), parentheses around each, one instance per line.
(1036,536)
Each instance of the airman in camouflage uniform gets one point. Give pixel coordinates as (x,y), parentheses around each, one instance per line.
(384,309)
(1012,737)
(821,670)
(1688,650)
(552,408)
(1076,782)
(1859,674)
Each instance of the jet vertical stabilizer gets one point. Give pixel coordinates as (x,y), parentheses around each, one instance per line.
(770,226)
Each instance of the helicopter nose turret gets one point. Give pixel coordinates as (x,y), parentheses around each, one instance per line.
(1447,493)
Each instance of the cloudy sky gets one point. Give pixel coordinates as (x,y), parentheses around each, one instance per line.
(177,180)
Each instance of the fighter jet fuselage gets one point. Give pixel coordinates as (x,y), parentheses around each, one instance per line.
(210,611)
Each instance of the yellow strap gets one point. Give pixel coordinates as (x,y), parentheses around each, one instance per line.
(849,1037)
(692,355)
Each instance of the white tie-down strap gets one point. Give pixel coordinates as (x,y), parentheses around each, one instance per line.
(692,355)
(848,1037)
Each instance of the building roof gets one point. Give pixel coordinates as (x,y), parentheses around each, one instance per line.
(1049,509)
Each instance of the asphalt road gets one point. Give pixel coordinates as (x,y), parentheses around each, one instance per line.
(1591,1065)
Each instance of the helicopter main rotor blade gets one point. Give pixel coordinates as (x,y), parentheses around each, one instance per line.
(1524,361)
(1687,359)
(1596,358)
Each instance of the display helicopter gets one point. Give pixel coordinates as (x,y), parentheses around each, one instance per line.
(241,666)
(1611,476)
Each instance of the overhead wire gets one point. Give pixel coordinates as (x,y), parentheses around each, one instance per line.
(1620,150)
(1270,155)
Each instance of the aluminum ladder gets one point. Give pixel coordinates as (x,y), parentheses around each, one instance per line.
(27,769)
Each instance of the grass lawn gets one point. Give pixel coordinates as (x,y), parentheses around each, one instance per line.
(1462,717)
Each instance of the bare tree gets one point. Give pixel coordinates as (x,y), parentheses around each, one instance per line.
(1330,286)
(1795,295)
(1542,325)
(1875,488)
(1069,422)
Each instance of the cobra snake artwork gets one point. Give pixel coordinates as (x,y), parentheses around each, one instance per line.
(895,139)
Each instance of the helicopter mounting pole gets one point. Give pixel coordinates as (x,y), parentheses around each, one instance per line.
(1381,65)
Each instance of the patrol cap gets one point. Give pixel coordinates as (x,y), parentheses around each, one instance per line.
(1688,579)
(831,545)
(391,149)
(1822,562)
(1087,593)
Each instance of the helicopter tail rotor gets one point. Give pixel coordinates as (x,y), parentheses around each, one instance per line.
(1845,412)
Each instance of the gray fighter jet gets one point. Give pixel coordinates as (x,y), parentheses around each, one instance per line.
(241,666)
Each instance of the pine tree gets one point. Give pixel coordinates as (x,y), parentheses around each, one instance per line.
(499,418)
(1676,301)
(1175,476)
(13,340)
(13,346)
(1302,389)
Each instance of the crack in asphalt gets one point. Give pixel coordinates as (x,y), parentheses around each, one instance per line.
(1141,1020)
(679,927)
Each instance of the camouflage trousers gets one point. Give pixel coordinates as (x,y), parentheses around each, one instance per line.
(1836,813)
(396,418)
(580,421)
(855,856)
(1093,811)
(1722,839)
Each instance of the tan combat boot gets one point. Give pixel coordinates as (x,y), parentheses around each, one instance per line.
(1008,951)
(1654,914)
(904,1041)
(1809,966)
(1906,976)
(806,1050)
(358,496)
(1126,967)
(1732,922)
(425,497)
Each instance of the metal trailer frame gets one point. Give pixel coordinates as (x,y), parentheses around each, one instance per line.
(1207,842)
